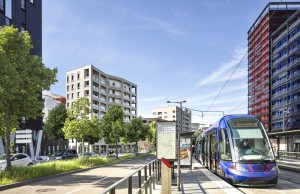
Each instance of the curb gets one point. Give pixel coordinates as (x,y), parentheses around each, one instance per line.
(289,167)
(35,180)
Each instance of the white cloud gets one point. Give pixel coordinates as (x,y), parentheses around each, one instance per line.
(152,99)
(225,70)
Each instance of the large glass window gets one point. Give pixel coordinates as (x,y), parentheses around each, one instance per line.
(2,5)
(8,8)
(250,140)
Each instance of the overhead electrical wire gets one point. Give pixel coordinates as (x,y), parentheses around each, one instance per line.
(234,72)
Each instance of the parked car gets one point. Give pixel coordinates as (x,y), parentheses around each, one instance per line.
(63,155)
(90,154)
(16,160)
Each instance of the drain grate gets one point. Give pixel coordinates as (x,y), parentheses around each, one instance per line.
(45,190)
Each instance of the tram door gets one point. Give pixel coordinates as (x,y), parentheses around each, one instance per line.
(213,151)
(208,152)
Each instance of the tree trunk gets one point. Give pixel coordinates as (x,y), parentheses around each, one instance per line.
(82,147)
(59,143)
(137,148)
(117,157)
(7,140)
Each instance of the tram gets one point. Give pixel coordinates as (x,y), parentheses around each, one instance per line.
(238,150)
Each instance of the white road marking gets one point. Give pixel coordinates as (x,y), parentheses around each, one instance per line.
(75,190)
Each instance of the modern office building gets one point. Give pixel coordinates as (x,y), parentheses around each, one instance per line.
(270,19)
(285,82)
(102,90)
(26,15)
(173,113)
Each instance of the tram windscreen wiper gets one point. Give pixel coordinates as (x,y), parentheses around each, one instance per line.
(264,156)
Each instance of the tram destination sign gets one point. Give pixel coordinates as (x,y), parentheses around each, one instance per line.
(246,124)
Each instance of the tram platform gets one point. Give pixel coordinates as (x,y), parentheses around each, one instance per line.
(199,180)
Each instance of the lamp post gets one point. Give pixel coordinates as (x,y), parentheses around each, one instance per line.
(178,154)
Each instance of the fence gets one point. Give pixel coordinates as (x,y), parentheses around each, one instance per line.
(153,168)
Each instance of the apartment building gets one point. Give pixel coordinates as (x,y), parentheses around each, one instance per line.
(102,90)
(259,50)
(173,113)
(285,82)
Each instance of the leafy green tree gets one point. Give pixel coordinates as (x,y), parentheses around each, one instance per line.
(22,78)
(113,127)
(55,123)
(151,137)
(78,125)
(136,130)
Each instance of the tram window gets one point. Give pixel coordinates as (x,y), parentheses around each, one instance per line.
(224,146)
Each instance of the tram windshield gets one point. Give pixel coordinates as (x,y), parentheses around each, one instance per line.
(250,140)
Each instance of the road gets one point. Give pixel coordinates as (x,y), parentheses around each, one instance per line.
(90,181)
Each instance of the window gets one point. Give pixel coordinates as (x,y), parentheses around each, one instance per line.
(78,86)
(67,88)
(22,29)
(23,4)
(2,5)
(78,94)
(154,113)
(72,78)
(78,76)
(8,9)
(165,113)
(68,79)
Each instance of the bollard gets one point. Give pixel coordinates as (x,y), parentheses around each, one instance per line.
(166,178)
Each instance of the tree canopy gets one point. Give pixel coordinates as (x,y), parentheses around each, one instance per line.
(136,130)
(78,125)
(55,123)
(22,78)
(151,137)
(113,127)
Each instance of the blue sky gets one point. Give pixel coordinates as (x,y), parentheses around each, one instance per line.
(173,50)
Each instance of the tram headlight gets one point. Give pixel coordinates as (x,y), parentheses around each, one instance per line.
(239,168)
(275,168)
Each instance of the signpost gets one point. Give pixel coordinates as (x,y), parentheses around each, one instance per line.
(166,140)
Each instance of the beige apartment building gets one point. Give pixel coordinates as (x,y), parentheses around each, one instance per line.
(102,90)
(173,113)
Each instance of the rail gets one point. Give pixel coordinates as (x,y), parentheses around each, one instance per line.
(153,168)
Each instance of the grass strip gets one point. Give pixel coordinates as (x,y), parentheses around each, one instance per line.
(18,174)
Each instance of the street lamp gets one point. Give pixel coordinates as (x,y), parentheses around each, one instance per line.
(178,154)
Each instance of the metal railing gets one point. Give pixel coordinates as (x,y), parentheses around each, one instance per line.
(153,168)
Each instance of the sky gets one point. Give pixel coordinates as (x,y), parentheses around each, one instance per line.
(172,49)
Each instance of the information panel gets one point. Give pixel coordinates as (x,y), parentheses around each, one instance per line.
(166,140)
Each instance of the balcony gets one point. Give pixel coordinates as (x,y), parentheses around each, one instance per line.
(282,34)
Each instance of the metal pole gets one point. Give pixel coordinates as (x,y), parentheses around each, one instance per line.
(178,160)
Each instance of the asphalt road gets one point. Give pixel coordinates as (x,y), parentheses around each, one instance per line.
(88,182)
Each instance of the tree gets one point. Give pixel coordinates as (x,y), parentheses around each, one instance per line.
(78,125)
(22,78)
(151,138)
(136,130)
(55,123)
(113,127)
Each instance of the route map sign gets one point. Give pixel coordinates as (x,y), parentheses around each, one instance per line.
(166,140)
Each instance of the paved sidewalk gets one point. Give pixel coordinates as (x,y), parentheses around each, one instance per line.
(199,180)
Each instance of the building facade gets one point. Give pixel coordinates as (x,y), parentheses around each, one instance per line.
(26,15)
(259,50)
(173,113)
(285,82)
(103,91)
(50,102)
